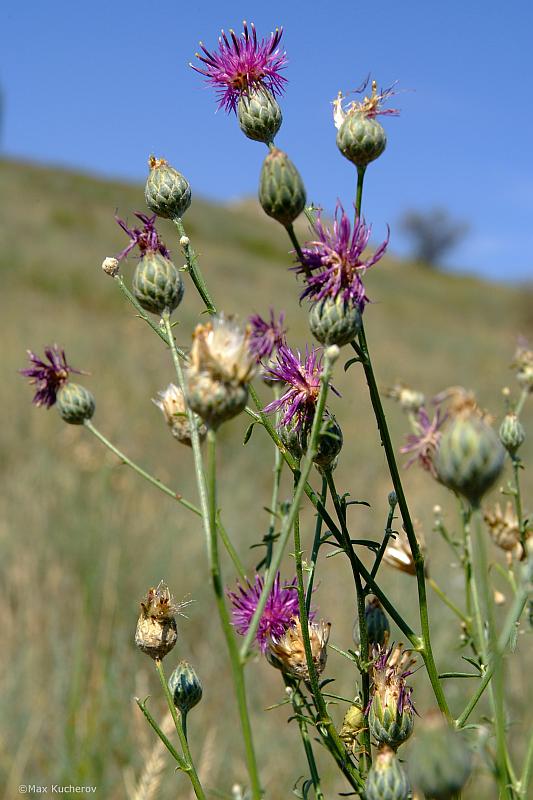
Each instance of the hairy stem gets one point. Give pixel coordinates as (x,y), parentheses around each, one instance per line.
(193,267)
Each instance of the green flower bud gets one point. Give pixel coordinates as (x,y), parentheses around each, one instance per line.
(389,725)
(185,687)
(329,442)
(259,115)
(469,458)
(157,284)
(440,762)
(215,401)
(391,712)
(512,433)
(377,623)
(167,192)
(281,189)
(361,139)
(334,320)
(291,437)
(386,779)
(75,403)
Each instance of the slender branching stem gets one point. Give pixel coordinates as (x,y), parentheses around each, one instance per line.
(359,190)
(140,310)
(193,267)
(446,600)
(517,494)
(389,533)
(166,741)
(207,493)
(298,705)
(188,765)
(527,770)
(316,547)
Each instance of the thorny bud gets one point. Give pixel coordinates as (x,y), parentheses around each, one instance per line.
(334,321)
(185,687)
(287,652)
(512,433)
(386,779)
(281,189)
(469,457)
(167,192)
(221,366)
(172,404)
(111,266)
(259,115)
(391,712)
(156,632)
(441,761)
(75,403)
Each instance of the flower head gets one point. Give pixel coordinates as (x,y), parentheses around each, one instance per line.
(370,106)
(504,528)
(333,265)
(48,378)
(424,441)
(146,238)
(174,409)
(243,64)
(522,363)
(221,348)
(390,669)
(266,337)
(156,632)
(303,381)
(398,552)
(288,652)
(281,607)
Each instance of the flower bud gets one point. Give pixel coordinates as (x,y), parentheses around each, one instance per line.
(167,192)
(329,442)
(185,687)
(334,320)
(386,779)
(291,436)
(377,623)
(281,189)
(111,266)
(469,458)
(213,400)
(157,284)
(391,712)
(361,139)
(259,115)
(512,433)
(75,403)
(440,761)
(156,632)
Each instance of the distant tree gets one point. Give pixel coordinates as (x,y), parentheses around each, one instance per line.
(433,234)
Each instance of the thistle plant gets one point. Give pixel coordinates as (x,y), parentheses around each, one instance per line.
(263,614)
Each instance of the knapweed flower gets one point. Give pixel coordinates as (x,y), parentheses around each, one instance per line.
(303,381)
(156,632)
(48,378)
(371,106)
(266,336)
(221,347)
(287,653)
(146,238)
(172,404)
(280,609)
(390,713)
(243,65)
(332,264)
(423,443)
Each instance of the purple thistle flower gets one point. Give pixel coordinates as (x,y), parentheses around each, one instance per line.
(266,336)
(243,64)
(48,378)
(332,264)
(280,610)
(423,444)
(146,238)
(391,668)
(303,379)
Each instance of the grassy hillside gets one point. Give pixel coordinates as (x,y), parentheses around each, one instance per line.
(82,538)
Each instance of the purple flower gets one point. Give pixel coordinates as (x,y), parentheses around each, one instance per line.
(303,380)
(423,444)
(266,336)
(280,610)
(145,238)
(243,64)
(48,378)
(332,264)
(390,670)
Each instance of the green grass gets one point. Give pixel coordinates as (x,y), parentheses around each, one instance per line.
(82,538)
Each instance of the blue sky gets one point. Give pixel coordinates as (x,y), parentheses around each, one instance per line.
(99,86)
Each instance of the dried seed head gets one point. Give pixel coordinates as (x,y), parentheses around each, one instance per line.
(111,266)
(221,347)
(409,399)
(504,528)
(398,551)
(288,653)
(522,363)
(172,404)
(156,632)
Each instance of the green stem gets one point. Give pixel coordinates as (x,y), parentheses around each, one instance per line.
(388,535)
(446,600)
(518,501)
(140,310)
(193,267)
(276,480)
(298,706)
(527,770)
(188,766)
(359,191)
(166,741)
(426,650)
(209,518)
(522,399)
(295,243)
(315,549)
